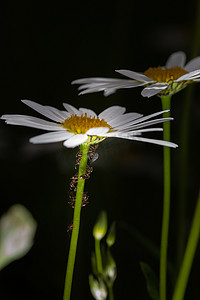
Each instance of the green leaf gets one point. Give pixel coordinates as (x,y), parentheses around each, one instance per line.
(151,281)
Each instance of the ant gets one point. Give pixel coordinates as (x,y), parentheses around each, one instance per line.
(70,227)
(87,173)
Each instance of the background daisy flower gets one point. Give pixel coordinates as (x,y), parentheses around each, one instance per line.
(165,80)
(77,126)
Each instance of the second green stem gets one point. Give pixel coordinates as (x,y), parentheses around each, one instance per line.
(166,101)
(98,256)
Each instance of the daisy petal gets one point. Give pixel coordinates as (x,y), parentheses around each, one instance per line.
(75,140)
(95,89)
(93,79)
(121,125)
(71,109)
(46,111)
(193,64)
(126,84)
(133,133)
(98,131)
(51,137)
(190,76)
(109,92)
(31,122)
(176,59)
(135,75)
(147,140)
(108,87)
(142,119)
(132,126)
(62,114)
(112,112)
(124,119)
(153,89)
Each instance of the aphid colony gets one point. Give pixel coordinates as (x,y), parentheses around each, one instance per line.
(92,156)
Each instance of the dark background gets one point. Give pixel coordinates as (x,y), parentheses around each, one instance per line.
(44,46)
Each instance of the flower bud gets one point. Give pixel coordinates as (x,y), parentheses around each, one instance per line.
(110,270)
(110,240)
(100,228)
(98,288)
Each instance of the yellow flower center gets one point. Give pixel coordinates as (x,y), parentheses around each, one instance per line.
(81,124)
(164,74)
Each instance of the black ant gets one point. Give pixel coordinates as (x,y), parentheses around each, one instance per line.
(74,181)
(92,156)
(84,199)
(72,198)
(78,160)
(70,227)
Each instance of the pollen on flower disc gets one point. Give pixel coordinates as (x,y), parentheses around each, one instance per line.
(165,74)
(81,124)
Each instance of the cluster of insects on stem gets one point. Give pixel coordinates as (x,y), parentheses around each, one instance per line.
(91,157)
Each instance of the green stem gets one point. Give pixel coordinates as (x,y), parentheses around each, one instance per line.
(189,255)
(110,293)
(76,223)
(184,137)
(166,101)
(98,256)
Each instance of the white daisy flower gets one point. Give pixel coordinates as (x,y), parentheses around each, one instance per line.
(77,126)
(167,80)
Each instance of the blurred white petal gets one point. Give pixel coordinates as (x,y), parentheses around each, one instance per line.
(190,76)
(153,89)
(111,113)
(17,230)
(193,64)
(135,75)
(176,59)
